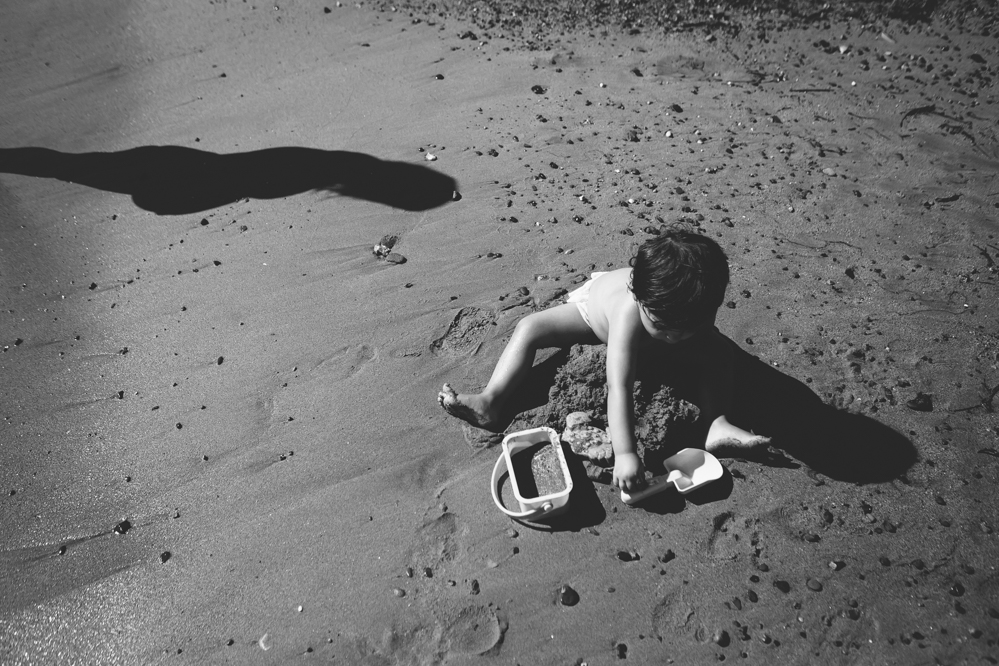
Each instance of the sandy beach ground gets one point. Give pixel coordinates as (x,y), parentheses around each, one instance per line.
(220,441)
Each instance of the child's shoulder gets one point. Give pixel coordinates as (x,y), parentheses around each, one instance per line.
(617,278)
(612,290)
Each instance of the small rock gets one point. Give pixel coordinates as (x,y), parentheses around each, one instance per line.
(539,90)
(164,556)
(439,77)
(921,403)
(395,258)
(668,556)
(956,590)
(568,596)
(430,157)
(783,586)
(399,592)
(813,585)
(721,638)
(123,527)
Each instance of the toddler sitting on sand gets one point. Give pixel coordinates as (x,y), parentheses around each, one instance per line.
(670,295)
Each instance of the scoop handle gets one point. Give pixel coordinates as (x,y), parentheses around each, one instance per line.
(656,484)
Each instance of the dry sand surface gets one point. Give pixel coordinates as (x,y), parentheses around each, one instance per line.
(220,441)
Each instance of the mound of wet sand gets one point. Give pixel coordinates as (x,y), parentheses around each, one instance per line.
(220,434)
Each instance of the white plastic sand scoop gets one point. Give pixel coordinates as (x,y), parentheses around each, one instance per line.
(531,508)
(688,470)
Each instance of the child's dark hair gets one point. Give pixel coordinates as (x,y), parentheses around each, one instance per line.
(680,278)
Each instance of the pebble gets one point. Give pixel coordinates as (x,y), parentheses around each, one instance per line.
(921,403)
(123,527)
(398,591)
(430,157)
(783,586)
(721,638)
(538,90)
(568,596)
(395,258)
(813,585)
(165,555)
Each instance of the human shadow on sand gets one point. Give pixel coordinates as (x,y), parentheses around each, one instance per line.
(835,443)
(175,180)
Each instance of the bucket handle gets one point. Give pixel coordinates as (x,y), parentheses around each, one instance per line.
(522,515)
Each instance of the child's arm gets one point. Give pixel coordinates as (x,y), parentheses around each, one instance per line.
(622,357)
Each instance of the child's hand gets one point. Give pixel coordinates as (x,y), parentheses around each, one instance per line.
(628,472)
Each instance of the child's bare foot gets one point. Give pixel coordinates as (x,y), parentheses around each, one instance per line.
(470,408)
(728,441)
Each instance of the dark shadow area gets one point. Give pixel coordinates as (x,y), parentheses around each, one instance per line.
(839,444)
(175,180)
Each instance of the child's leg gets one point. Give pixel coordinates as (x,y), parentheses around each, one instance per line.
(561,326)
(716,385)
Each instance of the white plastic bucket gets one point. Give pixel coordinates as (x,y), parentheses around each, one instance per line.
(531,508)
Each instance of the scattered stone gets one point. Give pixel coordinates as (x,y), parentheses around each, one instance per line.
(164,556)
(813,585)
(123,527)
(721,638)
(395,258)
(430,157)
(439,77)
(921,403)
(668,556)
(783,586)
(399,592)
(539,90)
(956,590)
(568,596)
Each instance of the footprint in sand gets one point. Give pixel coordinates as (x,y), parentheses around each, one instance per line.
(345,362)
(672,616)
(474,630)
(465,334)
(435,542)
